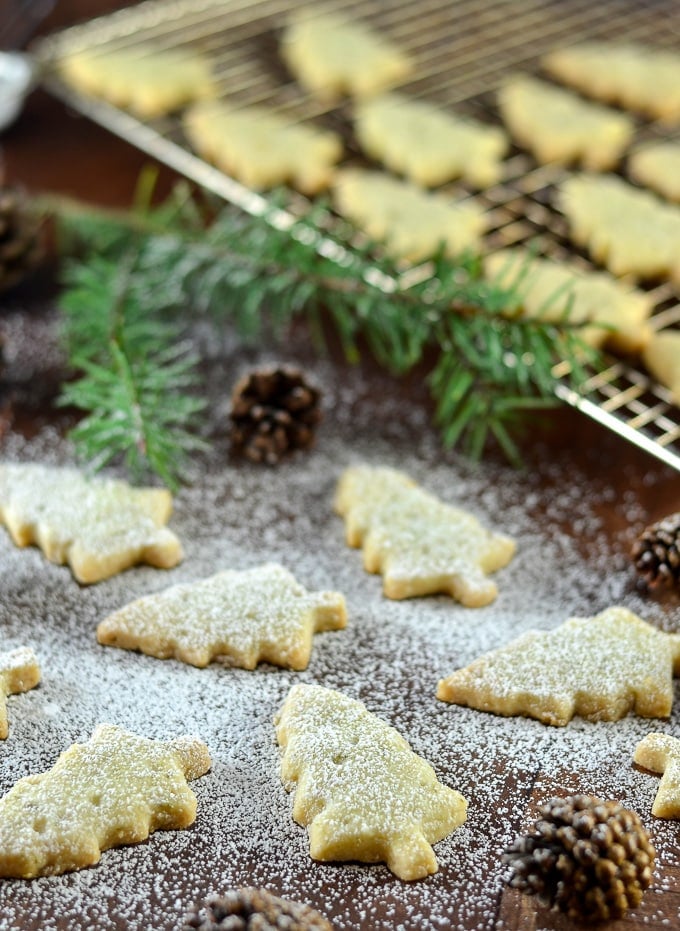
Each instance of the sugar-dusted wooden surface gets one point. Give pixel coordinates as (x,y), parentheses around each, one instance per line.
(584,493)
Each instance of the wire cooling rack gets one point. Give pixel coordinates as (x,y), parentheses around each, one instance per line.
(462,51)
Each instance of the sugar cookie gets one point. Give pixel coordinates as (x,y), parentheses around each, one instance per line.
(660,753)
(19,672)
(145,79)
(606,310)
(259,614)
(359,788)
(428,145)
(628,230)
(419,544)
(261,148)
(658,167)
(331,56)
(117,788)
(662,358)
(600,667)
(98,526)
(557,126)
(412,223)
(639,77)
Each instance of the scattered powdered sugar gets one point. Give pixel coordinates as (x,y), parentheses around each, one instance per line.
(569,561)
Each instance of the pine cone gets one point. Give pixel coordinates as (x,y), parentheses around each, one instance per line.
(656,552)
(590,858)
(20,246)
(254,910)
(274,411)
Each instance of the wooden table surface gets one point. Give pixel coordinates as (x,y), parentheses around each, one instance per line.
(51,149)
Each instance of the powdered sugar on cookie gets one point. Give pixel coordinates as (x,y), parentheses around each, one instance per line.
(259,614)
(419,544)
(19,672)
(98,526)
(556,675)
(359,788)
(115,789)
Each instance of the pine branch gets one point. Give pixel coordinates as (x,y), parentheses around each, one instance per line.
(125,312)
(136,375)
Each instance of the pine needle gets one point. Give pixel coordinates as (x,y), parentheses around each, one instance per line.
(128,298)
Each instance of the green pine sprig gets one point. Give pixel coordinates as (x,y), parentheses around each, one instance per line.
(136,373)
(129,300)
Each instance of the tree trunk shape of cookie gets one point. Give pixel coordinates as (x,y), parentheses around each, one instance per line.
(418,543)
(660,753)
(360,789)
(115,789)
(600,668)
(98,526)
(19,672)
(259,614)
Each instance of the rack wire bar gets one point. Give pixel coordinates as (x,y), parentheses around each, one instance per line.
(462,51)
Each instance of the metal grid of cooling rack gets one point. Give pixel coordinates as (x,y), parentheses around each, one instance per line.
(461,51)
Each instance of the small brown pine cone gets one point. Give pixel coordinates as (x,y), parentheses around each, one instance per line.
(656,553)
(589,858)
(251,909)
(20,240)
(273,412)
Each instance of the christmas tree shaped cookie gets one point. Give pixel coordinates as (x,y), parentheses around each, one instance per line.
(639,77)
(114,789)
(359,788)
(557,126)
(259,614)
(662,358)
(628,230)
(146,79)
(19,672)
(600,668)
(411,223)
(330,55)
(261,148)
(428,145)
(658,166)
(660,753)
(418,543)
(605,309)
(98,526)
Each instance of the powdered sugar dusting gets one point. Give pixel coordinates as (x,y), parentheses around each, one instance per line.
(391,656)
(114,788)
(359,787)
(599,667)
(96,526)
(420,545)
(240,617)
